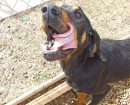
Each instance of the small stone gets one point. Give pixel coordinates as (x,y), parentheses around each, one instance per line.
(25,73)
(25,76)
(123,103)
(13,30)
(34,66)
(72,101)
(9,26)
(12,68)
(1,56)
(24,18)
(1,30)
(2,89)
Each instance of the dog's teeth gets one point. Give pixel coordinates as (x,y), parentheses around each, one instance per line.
(54,33)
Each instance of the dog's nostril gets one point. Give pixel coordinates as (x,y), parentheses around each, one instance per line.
(54,12)
(44,9)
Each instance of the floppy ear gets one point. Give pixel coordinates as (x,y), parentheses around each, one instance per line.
(95,46)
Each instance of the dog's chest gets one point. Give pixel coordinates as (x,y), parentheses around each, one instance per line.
(85,77)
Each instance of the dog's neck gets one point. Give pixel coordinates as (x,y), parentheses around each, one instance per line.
(79,56)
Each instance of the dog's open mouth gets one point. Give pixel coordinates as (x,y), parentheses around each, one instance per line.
(61,44)
(52,30)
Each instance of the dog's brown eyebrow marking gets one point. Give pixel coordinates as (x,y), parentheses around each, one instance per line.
(75,8)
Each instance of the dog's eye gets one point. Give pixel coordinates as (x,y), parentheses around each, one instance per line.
(77,14)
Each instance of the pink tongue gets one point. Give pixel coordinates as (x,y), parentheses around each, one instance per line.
(66,40)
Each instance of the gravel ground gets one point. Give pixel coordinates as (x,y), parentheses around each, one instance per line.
(22,66)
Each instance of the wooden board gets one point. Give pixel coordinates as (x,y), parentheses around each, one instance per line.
(37,89)
(50,95)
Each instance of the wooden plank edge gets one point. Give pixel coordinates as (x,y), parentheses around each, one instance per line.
(37,89)
(51,95)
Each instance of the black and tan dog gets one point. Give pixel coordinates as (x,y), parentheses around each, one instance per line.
(93,63)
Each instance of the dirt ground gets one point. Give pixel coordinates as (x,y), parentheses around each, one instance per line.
(22,66)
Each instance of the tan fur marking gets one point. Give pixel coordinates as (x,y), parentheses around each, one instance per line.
(81,98)
(65,17)
(75,36)
(68,58)
(75,7)
(94,49)
(83,37)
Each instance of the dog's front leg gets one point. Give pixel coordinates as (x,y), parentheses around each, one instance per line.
(81,98)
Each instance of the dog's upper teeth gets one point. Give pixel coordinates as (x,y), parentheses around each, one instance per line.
(54,33)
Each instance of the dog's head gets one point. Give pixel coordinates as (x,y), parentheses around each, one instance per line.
(68,32)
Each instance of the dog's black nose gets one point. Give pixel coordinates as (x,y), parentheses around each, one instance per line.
(52,10)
